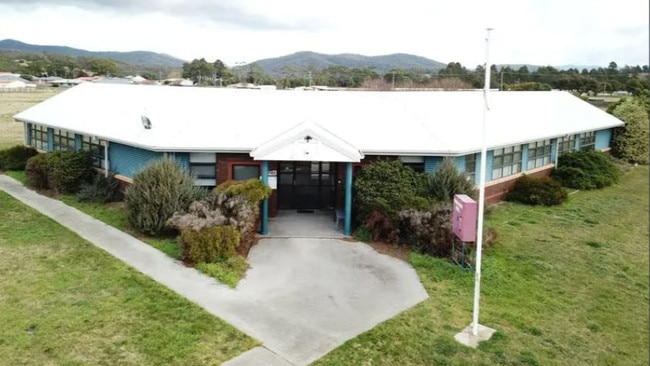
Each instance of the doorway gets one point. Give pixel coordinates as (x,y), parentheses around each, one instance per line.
(306,185)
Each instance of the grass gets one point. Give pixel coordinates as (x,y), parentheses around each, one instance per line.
(115,214)
(565,285)
(65,302)
(13,103)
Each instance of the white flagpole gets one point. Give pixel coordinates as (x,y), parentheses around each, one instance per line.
(481,194)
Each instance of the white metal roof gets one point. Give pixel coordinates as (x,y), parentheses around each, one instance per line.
(394,123)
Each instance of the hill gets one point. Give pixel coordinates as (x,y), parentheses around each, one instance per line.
(145,58)
(304,60)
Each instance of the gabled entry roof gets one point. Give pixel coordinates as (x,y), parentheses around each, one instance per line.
(307,141)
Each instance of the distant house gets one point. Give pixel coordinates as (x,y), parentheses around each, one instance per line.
(308,146)
(16,84)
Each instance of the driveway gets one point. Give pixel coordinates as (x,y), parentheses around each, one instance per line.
(338,287)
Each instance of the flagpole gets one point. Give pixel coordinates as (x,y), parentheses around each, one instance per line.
(481,194)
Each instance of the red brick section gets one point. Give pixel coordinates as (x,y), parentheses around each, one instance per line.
(225,161)
(495,193)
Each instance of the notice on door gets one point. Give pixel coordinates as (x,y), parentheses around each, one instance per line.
(273,182)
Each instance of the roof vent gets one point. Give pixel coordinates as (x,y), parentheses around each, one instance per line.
(146,122)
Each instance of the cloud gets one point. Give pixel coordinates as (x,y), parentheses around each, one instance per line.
(238,14)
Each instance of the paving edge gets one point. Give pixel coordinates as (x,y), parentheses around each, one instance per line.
(258,356)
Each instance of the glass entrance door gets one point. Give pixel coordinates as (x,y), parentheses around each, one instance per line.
(306,185)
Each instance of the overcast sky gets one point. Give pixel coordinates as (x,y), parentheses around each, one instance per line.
(542,32)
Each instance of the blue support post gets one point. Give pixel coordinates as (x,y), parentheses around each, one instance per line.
(348,200)
(50,139)
(78,142)
(265,204)
(28,134)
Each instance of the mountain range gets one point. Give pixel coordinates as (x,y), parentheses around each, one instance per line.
(302,61)
(145,58)
(295,62)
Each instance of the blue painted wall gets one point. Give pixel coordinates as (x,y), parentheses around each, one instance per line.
(128,160)
(488,169)
(524,157)
(603,139)
(50,139)
(431,163)
(183,159)
(553,150)
(459,161)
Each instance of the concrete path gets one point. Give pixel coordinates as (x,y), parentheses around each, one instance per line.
(301,298)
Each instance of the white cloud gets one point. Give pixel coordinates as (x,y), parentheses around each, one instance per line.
(535,31)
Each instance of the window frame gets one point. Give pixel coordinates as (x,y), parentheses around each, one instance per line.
(231,168)
(97,150)
(509,165)
(566,144)
(470,173)
(539,154)
(41,143)
(590,139)
(64,140)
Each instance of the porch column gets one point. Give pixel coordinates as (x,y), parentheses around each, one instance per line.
(347,230)
(265,204)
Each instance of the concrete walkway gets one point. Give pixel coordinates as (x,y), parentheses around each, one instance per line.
(299,309)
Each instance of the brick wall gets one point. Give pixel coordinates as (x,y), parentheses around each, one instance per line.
(495,192)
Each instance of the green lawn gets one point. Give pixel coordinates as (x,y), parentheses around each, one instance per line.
(228,271)
(564,285)
(65,302)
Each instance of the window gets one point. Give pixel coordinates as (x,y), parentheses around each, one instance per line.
(64,140)
(566,144)
(414,162)
(506,161)
(203,168)
(97,150)
(587,141)
(470,168)
(39,137)
(539,154)
(245,172)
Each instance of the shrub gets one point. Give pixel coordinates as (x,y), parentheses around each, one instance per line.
(428,231)
(158,191)
(218,210)
(387,187)
(15,158)
(446,181)
(381,227)
(68,170)
(102,189)
(586,170)
(37,171)
(630,142)
(209,244)
(537,191)
(431,232)
(253,189)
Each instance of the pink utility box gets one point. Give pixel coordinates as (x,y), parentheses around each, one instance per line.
(464,218)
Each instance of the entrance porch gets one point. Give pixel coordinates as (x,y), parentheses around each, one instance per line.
(305,224)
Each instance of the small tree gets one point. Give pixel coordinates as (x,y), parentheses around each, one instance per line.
(630,142)
(158,191)
(446,181)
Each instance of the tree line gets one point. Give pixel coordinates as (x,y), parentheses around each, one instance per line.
(633,79)
(32,65)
